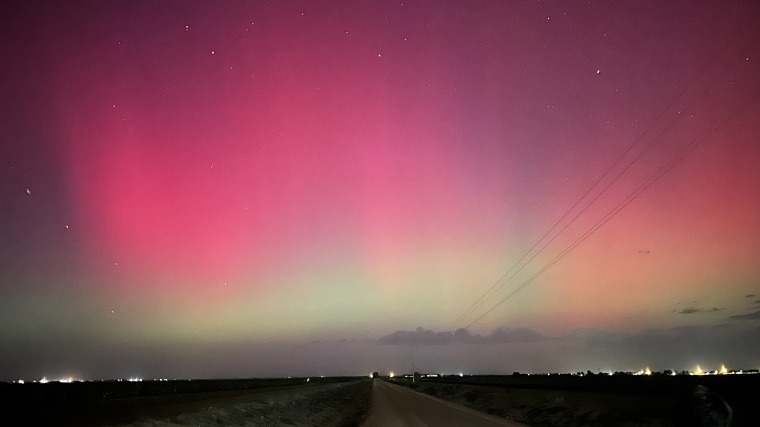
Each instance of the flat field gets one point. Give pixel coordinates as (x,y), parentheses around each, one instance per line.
(335,401)
(599,400)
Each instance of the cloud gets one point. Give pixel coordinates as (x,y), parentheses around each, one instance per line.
(757,301)
(417,336)
(692,310)
(749,316)
(514,335)
(749,296)
(429,337)
(502,335)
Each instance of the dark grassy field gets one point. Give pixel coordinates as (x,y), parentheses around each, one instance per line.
(123,402)
(599,400)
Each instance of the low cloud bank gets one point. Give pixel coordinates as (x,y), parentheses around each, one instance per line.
(692,310)
(749,316)
(429,337)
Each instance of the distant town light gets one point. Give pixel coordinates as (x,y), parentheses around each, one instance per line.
(43,380)
(391,374)
(723,369)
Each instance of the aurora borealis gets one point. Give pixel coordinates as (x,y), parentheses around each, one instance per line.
(268,188)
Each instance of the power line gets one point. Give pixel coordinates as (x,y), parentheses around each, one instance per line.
(504,279)
(499,284)
(678,158)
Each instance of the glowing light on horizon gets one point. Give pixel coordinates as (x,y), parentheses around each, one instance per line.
(645,371)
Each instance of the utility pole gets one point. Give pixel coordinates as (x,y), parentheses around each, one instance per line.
(413,372)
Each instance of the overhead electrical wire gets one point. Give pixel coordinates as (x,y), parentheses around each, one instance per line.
(664,169)
(499,284)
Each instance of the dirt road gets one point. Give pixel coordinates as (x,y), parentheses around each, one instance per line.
(394,405)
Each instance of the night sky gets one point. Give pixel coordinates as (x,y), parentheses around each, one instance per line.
(236,189)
